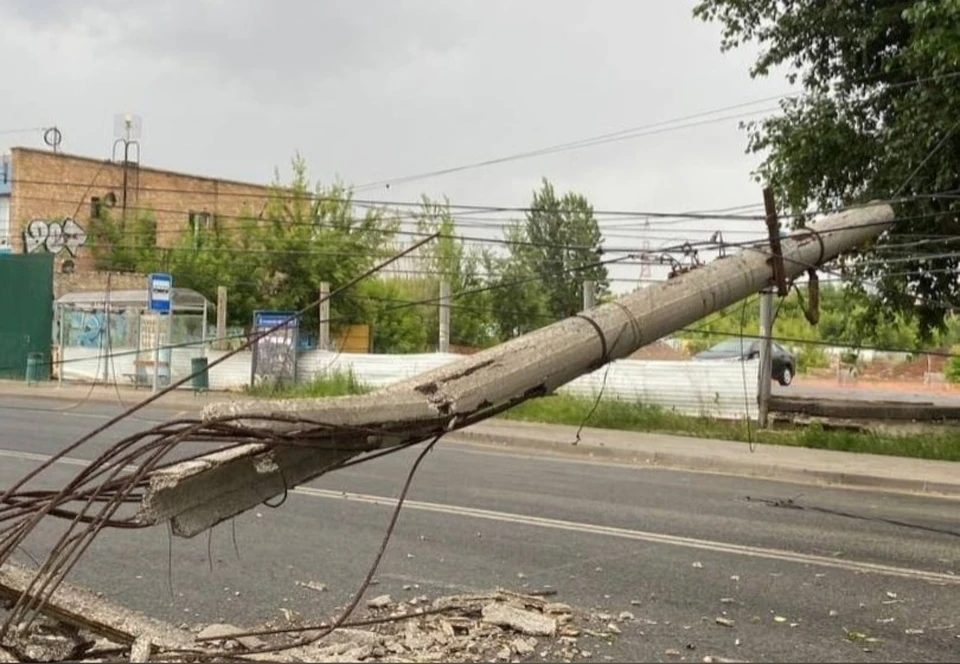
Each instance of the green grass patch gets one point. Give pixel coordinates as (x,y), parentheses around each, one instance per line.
(327,384)
(940,443)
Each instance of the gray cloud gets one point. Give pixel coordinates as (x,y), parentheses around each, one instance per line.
(383,88)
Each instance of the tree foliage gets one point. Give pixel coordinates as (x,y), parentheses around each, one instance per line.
(840,309)
(449,258)
(306,235)
(551,253)
(276,260)
(878,118)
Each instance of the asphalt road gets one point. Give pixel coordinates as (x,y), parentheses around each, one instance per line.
(677,549)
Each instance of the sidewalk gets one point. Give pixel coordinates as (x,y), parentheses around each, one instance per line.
(775,462)
(184,399)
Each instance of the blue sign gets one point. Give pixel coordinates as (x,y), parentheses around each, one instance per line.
(275,355)
(159,292)
(265,320)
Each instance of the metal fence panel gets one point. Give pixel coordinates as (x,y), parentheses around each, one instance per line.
(26,312)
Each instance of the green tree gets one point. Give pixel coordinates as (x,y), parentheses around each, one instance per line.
(397,326)
(117,246)
(310,235)
(450,258)
(518,300)
(878,118)
(276,260)
(559,242)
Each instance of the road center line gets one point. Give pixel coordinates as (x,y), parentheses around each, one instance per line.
(587,528)
(637,535)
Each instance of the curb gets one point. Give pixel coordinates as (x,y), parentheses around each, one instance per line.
(735,467)
(181,399)
(739,467)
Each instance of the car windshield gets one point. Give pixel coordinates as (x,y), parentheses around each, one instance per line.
(732,347)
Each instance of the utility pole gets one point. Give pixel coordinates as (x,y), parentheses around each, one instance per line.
(765,375)
(221,318)
(323,342)
(589,294)
(444,345)
(198,494)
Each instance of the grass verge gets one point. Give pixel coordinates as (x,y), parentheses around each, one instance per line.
(940,443)
(327,384)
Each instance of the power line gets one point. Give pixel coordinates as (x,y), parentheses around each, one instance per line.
(281,195)
(625,134)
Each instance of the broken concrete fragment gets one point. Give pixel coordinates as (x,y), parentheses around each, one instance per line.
(82,609)
(221,631)
(523,646)
(313,585)
(140,650)
(520,620)
(556,608)
(47,648)
(218,631)
(6,656)
(380,602)
(626,616)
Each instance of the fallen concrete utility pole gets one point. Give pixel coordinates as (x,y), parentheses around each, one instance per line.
(82,609)
(198,494)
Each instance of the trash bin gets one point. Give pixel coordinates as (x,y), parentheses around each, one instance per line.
(34,362)
(201,377)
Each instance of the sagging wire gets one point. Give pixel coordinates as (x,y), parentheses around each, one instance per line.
(68,549)
(345,614)
(790,503)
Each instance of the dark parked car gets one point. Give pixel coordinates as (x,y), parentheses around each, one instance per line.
(784,363)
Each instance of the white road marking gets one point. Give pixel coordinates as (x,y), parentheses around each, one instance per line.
(590,529)
(639,535)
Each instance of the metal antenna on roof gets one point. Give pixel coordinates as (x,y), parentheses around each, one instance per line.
(127,129)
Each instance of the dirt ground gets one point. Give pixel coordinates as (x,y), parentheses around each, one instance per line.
(924,374)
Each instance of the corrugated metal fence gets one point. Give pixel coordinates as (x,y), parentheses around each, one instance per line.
(717,389)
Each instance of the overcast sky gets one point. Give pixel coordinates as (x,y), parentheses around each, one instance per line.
(370,90)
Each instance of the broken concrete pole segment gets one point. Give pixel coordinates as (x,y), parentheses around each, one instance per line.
(201,493)
(83,610)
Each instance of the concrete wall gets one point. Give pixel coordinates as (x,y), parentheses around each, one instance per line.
(726,390)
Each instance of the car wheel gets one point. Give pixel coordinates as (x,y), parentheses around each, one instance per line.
(787,376)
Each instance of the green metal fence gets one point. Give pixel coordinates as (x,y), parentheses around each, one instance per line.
(26,314)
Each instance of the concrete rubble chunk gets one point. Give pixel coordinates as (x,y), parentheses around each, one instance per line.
(7,656)
(47,648)
(557,608)
(520,620)
(380,602)
(523,646)
(499,626)
(140,650)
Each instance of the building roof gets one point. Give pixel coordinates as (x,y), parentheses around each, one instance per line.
(184,299)
(141,168)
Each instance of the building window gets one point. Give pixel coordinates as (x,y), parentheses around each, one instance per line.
(199,222)
(96,207)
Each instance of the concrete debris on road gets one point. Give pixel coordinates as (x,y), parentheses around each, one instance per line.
(499,626)
(520,620)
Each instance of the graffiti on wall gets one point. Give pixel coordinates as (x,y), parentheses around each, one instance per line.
(88,329)
(54,236)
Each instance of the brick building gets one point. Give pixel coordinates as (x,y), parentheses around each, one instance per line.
(47,200)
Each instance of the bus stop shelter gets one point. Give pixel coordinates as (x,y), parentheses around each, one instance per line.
(100,333)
